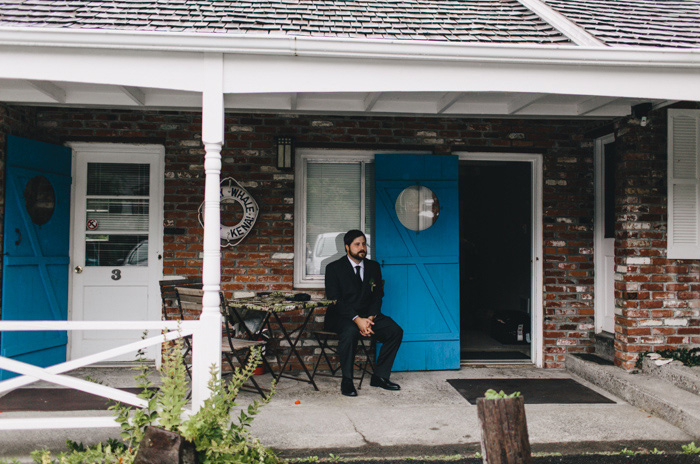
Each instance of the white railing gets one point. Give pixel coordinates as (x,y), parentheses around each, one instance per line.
(30,374)
(206,331)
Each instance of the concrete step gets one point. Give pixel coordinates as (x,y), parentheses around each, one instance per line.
(687,378)
(650,393)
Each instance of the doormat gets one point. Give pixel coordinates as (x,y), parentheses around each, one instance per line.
(55,399)
(493,355)
(534,391)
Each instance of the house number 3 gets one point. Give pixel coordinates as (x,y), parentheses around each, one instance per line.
(116,274)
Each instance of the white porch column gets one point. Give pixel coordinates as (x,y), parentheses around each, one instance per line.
(207,338)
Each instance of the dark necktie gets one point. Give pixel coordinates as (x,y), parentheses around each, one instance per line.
(357,273)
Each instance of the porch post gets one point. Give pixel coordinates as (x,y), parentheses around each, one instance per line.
(207,338)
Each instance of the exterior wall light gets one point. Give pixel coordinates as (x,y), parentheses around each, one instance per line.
(285,153)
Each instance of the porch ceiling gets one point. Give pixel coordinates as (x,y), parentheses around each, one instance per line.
(513,104)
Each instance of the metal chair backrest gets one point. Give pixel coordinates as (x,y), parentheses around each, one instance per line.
(190,300)
(168,295)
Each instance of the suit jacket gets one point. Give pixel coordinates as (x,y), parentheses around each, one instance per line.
(352,298)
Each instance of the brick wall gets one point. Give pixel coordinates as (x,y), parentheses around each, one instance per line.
(657,304)
(263,260)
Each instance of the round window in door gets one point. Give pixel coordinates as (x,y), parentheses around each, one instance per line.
(417,207)
(39,199)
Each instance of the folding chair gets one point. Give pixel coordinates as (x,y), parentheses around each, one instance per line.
(190,299)
(364,351)
(169,298)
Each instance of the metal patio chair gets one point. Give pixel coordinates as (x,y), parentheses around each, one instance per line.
(235,351)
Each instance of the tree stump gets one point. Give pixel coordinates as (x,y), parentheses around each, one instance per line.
(160,446)
(504,438)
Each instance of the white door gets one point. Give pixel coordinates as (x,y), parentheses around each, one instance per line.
(605,234)
(117,241)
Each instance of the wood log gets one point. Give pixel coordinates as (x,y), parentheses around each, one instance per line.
(504,438)
(160,446)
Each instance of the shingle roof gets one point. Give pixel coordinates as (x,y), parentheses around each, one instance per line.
(663,23)
(636,22)
(503,21)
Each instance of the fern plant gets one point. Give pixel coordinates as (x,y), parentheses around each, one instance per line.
(218,438)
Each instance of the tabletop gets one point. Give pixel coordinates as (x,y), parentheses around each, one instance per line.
(276,302)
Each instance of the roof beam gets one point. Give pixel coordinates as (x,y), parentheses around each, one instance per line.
(593,104)
(447,100)
(371,100)
(521,102)
(573,31)
(51,90)
(137,95)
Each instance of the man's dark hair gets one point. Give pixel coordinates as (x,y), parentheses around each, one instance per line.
(352,235)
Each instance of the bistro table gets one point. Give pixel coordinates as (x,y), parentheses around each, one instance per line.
(274,306)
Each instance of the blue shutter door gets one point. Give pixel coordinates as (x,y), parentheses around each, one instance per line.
(35,261)
(420,268)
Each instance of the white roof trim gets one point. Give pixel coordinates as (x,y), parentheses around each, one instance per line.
(325,47)
(563,24)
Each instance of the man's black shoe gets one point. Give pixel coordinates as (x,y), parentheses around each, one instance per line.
(347,388)
(386,384)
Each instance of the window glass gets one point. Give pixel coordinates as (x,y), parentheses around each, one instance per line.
(39,199)
(118,179)
(116,250)
(417,207)
(333,206)
(117,213)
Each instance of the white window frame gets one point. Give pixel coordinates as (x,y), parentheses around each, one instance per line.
(303,157)
(325,155)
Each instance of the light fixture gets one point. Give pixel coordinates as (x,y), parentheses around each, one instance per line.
(285,152)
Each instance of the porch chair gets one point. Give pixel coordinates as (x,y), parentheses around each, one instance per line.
(190,299)
(365,350)
(364,355)
(169,298)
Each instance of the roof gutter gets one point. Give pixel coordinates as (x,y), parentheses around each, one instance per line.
(323,47)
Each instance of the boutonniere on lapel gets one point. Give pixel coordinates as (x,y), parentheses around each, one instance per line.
(372,284)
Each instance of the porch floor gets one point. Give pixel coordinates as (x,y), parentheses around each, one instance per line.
(427,417)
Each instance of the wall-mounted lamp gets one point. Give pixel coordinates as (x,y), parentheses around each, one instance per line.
(641,112)
(285,152)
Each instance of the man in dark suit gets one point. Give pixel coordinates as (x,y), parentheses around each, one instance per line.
(355,283)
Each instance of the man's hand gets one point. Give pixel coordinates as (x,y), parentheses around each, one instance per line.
(365,326)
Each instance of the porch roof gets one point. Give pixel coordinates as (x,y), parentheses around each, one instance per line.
(515,58)
(659,23)
(497,21)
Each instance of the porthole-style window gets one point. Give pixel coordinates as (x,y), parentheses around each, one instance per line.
(417,207)
(39,199)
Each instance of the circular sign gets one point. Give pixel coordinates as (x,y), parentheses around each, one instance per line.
(91,224)
(231,191)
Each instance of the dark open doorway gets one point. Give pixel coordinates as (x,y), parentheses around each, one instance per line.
(495,260)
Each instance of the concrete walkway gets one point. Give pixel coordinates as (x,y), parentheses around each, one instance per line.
(427,417)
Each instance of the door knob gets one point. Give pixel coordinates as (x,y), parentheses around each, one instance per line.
(78,269)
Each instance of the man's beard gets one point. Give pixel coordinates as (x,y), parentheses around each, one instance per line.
(359,256)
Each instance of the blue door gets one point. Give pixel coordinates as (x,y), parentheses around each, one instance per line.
(417,232)
(35,261)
